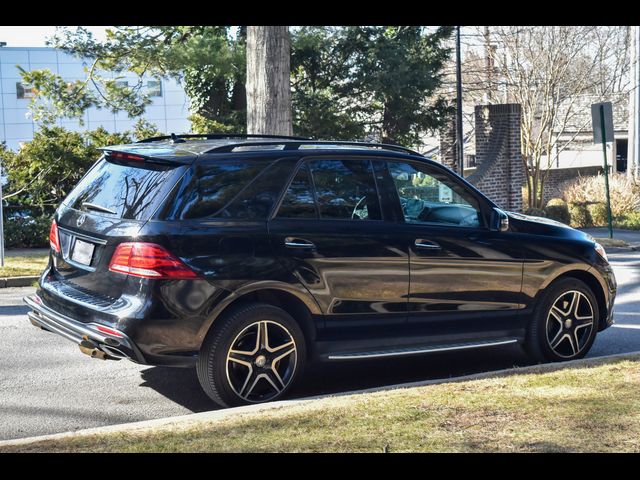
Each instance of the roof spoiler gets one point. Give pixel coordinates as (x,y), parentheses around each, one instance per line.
(135,153)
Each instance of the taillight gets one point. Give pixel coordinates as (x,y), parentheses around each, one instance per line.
(148,260)
(54,238)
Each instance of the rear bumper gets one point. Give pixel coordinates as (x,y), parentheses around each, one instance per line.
(83,334)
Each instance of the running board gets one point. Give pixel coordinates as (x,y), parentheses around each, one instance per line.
(418,350)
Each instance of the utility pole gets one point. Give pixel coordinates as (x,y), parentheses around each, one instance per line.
(489,64)
(631,121)
(636,110)
(459,133)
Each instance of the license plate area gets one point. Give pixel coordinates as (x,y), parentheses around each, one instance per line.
(82,252)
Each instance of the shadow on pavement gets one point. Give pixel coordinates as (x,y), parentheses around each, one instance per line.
(181,385)
(13,310)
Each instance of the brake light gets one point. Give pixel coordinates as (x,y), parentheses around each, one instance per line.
(125,156)
(54,238)
(148,260)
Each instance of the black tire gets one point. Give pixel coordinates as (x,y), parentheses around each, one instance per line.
(223,380)
(547,328)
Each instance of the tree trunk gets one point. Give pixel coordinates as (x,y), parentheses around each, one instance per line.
(268,80)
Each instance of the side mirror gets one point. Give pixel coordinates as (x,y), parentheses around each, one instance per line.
(499,220)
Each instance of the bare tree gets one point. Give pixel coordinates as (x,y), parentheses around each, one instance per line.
(268,80)
(554,73)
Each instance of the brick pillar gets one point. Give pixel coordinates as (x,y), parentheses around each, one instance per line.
(499,171)
(448,151)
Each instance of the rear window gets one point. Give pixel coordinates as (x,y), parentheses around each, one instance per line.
(126,191)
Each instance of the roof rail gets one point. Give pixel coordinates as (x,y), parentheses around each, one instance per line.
(213,136)
(296,145)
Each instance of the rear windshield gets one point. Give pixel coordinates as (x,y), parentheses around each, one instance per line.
(131,192)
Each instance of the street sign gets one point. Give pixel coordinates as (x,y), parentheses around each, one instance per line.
(596,120)
(602,119)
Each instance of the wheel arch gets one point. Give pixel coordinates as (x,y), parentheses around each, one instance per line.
(593,282)
(298,305)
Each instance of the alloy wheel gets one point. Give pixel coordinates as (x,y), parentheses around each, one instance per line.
(261,361)
(569,324)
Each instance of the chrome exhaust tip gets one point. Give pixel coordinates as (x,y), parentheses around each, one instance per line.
(93,350)
(114,353)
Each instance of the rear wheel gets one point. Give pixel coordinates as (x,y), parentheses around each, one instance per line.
(254,355)
(564,324)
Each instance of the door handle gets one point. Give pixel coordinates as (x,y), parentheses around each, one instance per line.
(293,242)
(426,244)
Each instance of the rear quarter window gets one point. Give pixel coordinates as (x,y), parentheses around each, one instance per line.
(241,188)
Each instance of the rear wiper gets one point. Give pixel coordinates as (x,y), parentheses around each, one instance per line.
(99,208)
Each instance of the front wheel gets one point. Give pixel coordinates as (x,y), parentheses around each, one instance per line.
(254,355)
(564,324)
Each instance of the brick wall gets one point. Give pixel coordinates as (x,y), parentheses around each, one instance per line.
(499,171)
(554,185)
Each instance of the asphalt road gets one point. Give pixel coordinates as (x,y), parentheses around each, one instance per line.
(48,386)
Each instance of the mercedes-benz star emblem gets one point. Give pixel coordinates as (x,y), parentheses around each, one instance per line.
(81,220)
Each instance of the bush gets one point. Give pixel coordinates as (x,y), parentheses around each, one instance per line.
(629,221)
(27,232)
(580,216)
(598,212)
(557,209)
(624,191)
(535,212)
(44,170)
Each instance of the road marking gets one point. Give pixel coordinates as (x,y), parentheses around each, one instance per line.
(626,325)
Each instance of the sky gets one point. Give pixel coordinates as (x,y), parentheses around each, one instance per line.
(35,36)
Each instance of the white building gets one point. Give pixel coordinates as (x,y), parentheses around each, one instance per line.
(168,109)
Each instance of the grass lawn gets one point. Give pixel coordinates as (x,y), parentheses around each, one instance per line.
(593,407)
(611,242)
(24,263)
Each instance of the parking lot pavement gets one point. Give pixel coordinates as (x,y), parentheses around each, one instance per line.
(48,386)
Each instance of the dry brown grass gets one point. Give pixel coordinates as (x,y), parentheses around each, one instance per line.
(624,191)
(23,265)
(591,408)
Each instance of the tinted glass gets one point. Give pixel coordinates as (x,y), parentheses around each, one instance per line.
(430,196)
(257,200)
(298,201)
(215,185)
(345,189)
(131,192)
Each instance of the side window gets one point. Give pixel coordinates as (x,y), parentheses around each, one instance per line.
(215,185)
(429,196)
(298,201)
(345,189)
(256,201)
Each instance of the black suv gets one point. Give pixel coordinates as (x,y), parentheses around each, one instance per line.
(249,256)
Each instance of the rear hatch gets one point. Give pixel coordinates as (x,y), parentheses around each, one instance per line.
(108,206)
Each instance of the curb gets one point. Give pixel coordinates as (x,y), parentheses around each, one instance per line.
(621,249)
(18,281)
(217,415)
